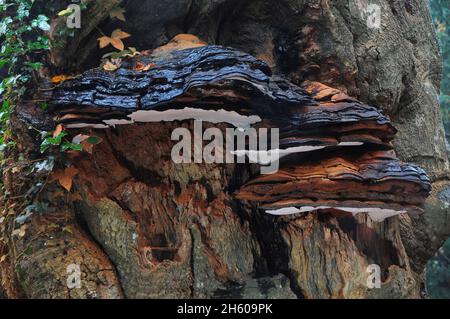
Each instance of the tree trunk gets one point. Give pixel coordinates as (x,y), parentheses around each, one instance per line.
(139,226)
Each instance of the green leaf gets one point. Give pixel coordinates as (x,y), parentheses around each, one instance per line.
(41,22)
(94,140)
(52,141)
(6,106)
(67,146)
(4,25)
(43,106)
(22,11)
(35,65)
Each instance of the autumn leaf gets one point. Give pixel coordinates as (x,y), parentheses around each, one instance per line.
(104,41)
(119,34)
(21,232)
(139,66)
(149,66)
(142,67)
(87,147)
(58,130)
(118,44)
(109,66)
(115,39)
(57,79)
(65,177)
(3,258)
(87,142)
(118,13)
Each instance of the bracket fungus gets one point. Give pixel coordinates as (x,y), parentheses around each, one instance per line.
(342,159)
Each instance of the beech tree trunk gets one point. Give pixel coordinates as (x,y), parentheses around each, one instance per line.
(140,228)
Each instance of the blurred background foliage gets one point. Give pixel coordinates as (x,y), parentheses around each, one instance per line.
(440,9)
(438,268)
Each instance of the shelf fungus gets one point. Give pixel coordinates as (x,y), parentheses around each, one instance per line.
(204,82)
(337,151)
(374,182)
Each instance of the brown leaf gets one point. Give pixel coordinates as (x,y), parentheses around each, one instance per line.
(108,66)
(22,230)
(115,39)
(58,130)
(149,66)
(119,34)
(88,147)
(141,67)
(65,177)
(118,13)
(117,43)
(82,139)
(104,41)
(57,79)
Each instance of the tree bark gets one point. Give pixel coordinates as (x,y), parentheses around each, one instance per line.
(139,228)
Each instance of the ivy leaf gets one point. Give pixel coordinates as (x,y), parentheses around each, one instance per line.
(94,140)
(117,43)
(104,41)
(4,25)
(34,65)
(67,146)
(41,22)
(22,11)
(115,39)
(81,139)
(119,34)
(52,141)
(118,13)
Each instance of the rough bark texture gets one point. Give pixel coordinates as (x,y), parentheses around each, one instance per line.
(140,227)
